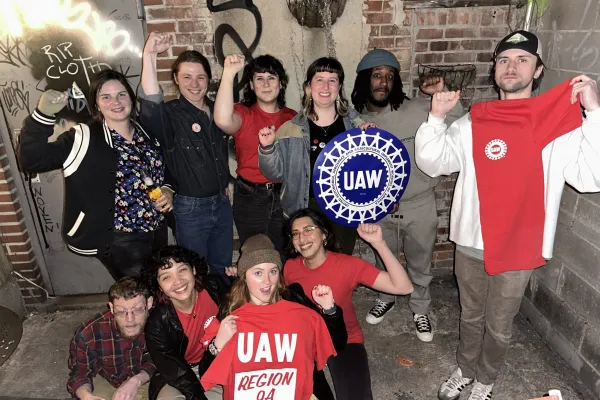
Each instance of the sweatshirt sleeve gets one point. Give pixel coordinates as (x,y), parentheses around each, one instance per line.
(438,148)
(582,170)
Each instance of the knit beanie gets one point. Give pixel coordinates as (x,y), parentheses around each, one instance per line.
(376,58)
(256,250)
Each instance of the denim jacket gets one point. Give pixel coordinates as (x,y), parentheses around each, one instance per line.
(288,160)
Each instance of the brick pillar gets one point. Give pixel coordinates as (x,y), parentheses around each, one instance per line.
(15,237)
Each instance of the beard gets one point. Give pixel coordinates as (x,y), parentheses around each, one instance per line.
(379,103)
(125,335)
(514,86)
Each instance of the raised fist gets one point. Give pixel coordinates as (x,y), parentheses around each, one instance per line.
(52,101)
(266,136)
(157,43)
(233,64)
(443,102)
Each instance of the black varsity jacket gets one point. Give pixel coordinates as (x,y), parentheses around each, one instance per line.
(88,160)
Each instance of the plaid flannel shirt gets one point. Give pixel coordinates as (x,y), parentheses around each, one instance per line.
(97,348)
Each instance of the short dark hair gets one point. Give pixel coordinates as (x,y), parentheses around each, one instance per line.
(191,56)
(261,64)
(362,90)
(163,259)
(536,81)
(332,243)
(127,288)
(324,64)
(96,85)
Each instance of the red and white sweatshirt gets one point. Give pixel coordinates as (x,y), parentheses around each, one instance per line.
(573,157)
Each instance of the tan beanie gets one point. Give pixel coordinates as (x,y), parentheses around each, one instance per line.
(256,250)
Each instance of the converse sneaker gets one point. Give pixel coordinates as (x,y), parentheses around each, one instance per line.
(423,327)
(377,313)
(450,390)
(481,392)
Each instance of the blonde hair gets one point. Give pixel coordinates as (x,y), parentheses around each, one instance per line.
(240,295)
(324,64)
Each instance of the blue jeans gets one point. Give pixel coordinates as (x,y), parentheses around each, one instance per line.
(205,225)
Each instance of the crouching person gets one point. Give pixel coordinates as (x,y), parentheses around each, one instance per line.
(108,357)
(187,299)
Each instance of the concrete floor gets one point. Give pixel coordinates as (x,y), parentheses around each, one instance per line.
(38,368)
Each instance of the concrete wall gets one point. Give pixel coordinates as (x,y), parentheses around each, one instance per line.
(563,298)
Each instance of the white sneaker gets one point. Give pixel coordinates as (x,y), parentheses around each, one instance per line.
(377,313)
(423,327)
(481,392)
(450,390)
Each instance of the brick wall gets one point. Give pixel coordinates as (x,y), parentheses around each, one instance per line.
(431,36)
(14,236)
(563,298)
(441,37)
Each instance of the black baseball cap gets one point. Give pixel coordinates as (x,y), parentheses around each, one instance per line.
(520,40)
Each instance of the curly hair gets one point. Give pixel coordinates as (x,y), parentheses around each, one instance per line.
(240,295)
(324,64)
(362,90)
(164,258)
(261,64)
(332,243)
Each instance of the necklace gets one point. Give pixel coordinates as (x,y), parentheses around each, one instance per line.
(328,126)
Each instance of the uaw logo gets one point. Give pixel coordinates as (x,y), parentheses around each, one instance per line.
(496,149)
(359,175)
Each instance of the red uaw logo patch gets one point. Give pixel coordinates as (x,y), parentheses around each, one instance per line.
(496,149)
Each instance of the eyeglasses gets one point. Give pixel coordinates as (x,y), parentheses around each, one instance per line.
(307,230)
(136,312)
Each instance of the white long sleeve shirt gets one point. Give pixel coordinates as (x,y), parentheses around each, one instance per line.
(573,158)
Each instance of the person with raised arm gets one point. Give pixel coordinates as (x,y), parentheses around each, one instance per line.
(256,199)
(513,157)
(318,261)
(195,151)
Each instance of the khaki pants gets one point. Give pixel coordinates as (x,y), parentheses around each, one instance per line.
(106,391)
(488,306)
(415,224)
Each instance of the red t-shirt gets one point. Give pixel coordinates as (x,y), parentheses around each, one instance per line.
(246,139)
(273,353)
(194,325)
(508,139)
(342,273)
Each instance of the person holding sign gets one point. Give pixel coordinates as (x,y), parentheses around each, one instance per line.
(278,342)
(195,151)
(290,154)
(513,157)
(186,301)
(379,97)
(109,166)
(256,199)
(318,262)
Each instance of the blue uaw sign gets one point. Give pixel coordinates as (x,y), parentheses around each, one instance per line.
(359,175)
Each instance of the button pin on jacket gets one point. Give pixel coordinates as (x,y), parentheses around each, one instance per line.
(196,127)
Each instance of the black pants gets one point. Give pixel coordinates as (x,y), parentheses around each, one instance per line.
(347,236)
(350,373)
(257,209)
(130,250)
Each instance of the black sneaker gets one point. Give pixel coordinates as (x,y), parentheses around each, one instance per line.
(377,313)
(423,327)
